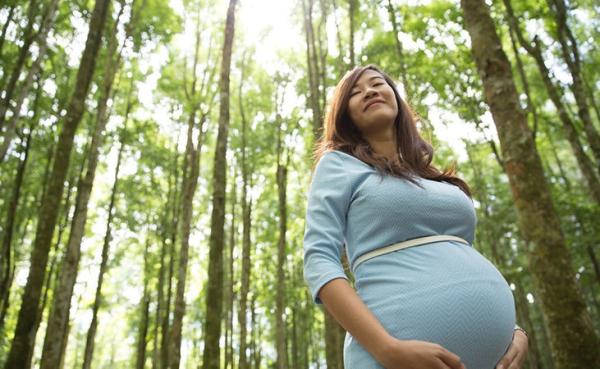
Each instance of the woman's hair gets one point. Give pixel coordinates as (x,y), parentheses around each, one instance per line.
(415,154)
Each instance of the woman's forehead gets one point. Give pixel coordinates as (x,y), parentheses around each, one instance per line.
(368,75)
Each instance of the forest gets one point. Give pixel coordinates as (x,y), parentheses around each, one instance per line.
(155,159)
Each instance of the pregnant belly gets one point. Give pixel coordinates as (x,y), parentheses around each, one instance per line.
(444,292)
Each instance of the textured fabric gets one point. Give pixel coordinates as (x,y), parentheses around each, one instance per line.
(442,292)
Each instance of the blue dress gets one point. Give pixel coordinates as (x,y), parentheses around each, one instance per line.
(441,292)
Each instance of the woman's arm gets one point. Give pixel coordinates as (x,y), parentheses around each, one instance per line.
(342,301)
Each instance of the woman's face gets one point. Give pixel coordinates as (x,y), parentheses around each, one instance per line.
(372,106)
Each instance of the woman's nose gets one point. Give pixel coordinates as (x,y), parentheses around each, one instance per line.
(370,92)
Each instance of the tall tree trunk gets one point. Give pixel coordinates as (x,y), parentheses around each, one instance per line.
(338,33)
(58,318)
(574,343)
(140,358)
(7,266)
(188,189)
(157,361)
(280,324)
(28,38)
(42,40)
(573,60)
(522,305)
(351,13)
(51,279)
(584,162)
(91,334)
(214,297)
(256,335)
(312,64)
(175,209)
(246,241)
(7,23)
(22,343)
(229,278)
(399,50)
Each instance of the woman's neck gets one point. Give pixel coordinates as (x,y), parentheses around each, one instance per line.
(384,145)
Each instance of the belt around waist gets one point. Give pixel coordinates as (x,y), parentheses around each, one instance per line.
(403,245)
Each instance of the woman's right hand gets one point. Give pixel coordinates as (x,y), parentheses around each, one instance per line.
(413,354)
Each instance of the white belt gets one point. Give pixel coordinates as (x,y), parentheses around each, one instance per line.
(405,244)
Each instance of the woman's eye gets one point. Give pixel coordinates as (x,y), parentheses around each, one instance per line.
(378,84)
(353,93)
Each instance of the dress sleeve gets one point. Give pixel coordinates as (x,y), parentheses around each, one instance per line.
(328,201)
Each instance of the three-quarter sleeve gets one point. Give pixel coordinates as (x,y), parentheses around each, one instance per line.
(327,205)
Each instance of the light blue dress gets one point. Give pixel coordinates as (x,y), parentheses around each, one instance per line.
(442,292)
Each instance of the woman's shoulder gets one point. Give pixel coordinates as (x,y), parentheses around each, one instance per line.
(343,158)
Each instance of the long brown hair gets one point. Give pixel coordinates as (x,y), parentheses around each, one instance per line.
(415,154)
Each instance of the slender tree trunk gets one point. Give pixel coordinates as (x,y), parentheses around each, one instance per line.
(9,18)
(145,307)
(530,106)
(338,34)
(58,318)
(584,162)
(351,13)
(533,356)
(189,183)
(91,334)
(256,335)
(399,50)
(571,57)
(574,343)
(172,255)
(280,324)
(157,361)
(28,38)
(7,266)
(244,362)
(51,280)
(229,278)
(22,344)
(312,67)
(42,40)
(214,297)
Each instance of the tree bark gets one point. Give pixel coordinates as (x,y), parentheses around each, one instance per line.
(22,344)
(351,12)
(312,67)
(244,363)
(9,18)
(573,60)
(91,334)
(42,40)
(399,50)
(145,307)
(214,296)
(280,323)
(7,266)
(585,163)
(28,38)
(58,318)
(574,343)
(229,279)
(189,184)
(175,209)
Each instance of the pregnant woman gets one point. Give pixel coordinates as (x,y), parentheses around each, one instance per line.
(424,298)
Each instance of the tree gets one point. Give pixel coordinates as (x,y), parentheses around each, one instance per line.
(574,343)
(214,297)
(22,344)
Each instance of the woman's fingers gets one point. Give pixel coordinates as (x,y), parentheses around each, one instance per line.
(451,359)
(507,359)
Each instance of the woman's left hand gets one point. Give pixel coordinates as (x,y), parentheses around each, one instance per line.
(516,353)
